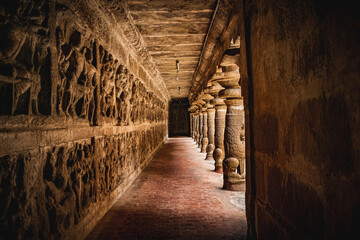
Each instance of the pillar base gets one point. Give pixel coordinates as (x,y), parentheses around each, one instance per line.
(232,180)
(209,152)
(209,156)
(236,187)
(218,169)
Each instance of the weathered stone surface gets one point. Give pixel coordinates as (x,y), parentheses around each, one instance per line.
(60,184)
(268,224)
(303,83)
(266,133)
(81,114)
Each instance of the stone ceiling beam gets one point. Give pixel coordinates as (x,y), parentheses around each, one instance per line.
(166,5)
(172,29)
(176,54)
(177,47)
(223,29)
(183,39)
(163,17)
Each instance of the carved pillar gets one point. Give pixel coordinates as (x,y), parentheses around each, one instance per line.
(211,132)
(200,128)
(195,123)
(198,103)
(196,128)
(191,124)
(192,111)
(211,125)
(241,168)
(205,139)
(234,149)
(220,113)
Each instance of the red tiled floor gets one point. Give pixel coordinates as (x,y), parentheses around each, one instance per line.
(177,196)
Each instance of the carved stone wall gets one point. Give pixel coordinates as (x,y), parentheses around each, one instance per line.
(80,117)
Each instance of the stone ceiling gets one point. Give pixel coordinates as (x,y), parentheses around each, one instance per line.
(174,30)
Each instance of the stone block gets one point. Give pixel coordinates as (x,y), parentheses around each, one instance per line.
(260,180)
(275,190)
(266,135)
(267,226)
(303,207)
(319,133)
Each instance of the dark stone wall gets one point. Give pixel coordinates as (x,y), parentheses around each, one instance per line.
(179,120)
(80,117)
(303,65)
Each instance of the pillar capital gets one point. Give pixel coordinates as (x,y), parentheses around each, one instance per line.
(198,103)
(215,89)
(192,109)
(205,97)
(230,82)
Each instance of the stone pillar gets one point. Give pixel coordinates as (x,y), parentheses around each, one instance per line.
(192,111)
(210,122)
(191,124)
(196,128)
(205,139)
(220,113)
(234,149)
(211,131)
(199,103)
(241,168)
(200,129)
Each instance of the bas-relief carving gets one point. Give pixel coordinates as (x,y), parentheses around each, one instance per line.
(67,74)
(23,49)
(60,184)
(123,98)
(107,83)
(77,74)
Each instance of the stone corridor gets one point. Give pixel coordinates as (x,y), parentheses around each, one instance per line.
(135,119)
(177,196)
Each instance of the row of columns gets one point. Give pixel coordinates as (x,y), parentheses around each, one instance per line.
(217,123)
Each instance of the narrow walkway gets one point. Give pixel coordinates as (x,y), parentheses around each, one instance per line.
(178,196)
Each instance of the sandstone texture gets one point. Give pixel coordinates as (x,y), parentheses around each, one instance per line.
(303,99)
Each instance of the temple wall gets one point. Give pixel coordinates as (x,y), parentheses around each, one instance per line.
(304,115)
(80,117)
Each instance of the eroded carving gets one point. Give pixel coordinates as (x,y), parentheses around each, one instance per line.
(22,53)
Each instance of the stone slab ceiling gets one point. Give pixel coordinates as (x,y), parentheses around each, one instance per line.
(174,30)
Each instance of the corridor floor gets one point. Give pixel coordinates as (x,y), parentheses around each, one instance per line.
(177,196)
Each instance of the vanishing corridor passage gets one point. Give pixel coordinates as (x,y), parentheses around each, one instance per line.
(178,196)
